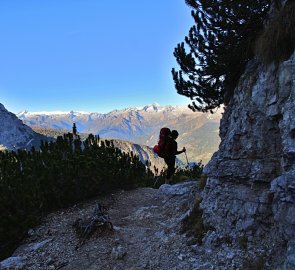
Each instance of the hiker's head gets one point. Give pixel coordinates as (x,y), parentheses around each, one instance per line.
(174,134)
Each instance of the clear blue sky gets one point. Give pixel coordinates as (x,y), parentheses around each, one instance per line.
(89,55)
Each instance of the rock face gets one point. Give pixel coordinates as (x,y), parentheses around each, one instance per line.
(250,190)
(14,134)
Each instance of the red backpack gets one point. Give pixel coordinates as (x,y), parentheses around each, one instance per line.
(159,149)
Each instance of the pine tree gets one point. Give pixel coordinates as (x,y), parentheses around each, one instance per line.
(74,129)
(220,44)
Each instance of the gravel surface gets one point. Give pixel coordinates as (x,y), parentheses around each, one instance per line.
(147,225)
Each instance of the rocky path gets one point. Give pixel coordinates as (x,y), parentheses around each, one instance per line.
(146,235)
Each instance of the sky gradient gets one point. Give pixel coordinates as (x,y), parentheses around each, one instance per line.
(89,55)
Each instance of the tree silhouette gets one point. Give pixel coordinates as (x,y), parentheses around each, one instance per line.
(220,44)
(74,129)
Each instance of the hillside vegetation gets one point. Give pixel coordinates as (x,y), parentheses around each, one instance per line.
(33,183)
(62,173)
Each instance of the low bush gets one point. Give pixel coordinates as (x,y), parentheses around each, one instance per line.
(34,183)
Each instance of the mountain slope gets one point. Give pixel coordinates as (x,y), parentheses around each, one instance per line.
(198,131)
(14,134)
(144,153)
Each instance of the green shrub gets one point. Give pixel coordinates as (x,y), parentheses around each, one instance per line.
(61,173)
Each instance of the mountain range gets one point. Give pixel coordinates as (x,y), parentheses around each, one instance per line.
(14,135)
(198,132)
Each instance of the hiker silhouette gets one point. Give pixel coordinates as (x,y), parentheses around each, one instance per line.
(171,152)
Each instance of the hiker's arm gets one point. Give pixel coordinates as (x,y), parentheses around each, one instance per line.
(182,151)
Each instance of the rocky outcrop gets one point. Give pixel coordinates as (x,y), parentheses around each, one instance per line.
(250,190)
(14,134)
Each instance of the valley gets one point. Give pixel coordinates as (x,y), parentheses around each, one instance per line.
(198,132)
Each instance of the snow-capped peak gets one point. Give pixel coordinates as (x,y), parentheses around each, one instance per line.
(152,107)
(49,113)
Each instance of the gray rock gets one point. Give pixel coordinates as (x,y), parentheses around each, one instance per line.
(118,253)
(177,189)
(36,246)
(290,261)
(12,263)
(250,188)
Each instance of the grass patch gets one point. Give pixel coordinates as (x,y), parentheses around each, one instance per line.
(277,42)
(193,224)
(202,182)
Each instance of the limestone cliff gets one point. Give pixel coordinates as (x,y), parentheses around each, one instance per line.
(250,190)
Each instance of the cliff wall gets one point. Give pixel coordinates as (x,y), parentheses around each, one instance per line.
(250,190)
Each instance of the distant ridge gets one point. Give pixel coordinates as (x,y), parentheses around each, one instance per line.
(149,107)
(198,131)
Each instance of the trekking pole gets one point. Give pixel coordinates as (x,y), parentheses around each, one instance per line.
(190,173)
(186,158)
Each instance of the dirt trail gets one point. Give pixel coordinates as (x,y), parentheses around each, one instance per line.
(146,234)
